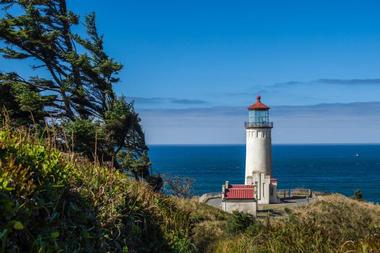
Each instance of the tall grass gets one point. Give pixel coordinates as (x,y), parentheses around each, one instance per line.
(331,224)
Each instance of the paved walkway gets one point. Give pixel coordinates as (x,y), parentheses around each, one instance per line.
(278,209)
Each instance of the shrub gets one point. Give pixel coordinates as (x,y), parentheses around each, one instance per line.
(238,222)
(358,195)
(178,186)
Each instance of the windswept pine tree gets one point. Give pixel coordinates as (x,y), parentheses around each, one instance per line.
(73,80)
(81,74)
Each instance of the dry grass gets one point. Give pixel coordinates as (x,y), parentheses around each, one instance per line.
(372,209)
(330,224)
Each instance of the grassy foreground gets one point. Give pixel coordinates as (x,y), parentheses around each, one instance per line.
(57,202)
(330,224)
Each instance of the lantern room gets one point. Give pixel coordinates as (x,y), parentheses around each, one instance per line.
(258,114)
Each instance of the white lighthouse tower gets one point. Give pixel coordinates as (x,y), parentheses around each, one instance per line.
(258,163)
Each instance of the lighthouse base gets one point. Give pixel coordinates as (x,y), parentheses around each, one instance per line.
(266,187)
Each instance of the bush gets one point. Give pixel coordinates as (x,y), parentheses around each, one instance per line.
(86,138)
(238,222)
(38,209)
(358,195)
(178,186)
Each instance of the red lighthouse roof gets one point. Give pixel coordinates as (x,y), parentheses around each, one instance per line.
(258,105)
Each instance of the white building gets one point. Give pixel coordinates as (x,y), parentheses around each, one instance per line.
(239,198)
(259,185)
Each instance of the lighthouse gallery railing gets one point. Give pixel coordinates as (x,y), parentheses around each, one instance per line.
(258,124)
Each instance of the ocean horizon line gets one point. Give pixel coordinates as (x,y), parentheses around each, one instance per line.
(274,144)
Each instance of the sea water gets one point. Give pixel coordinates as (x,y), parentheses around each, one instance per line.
(328,168)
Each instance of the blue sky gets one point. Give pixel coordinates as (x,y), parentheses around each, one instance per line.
(192,67)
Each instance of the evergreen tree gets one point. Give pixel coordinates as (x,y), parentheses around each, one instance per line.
(81,74)
(74,81)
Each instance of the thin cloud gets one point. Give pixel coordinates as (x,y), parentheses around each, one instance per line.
(368,81)
(335,81)
(187,101)
(163,100)
(260,89)
(288,83)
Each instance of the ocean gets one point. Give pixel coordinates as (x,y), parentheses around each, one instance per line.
(327,168)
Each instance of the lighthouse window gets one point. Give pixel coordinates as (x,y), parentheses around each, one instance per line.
(259,116)
(251,116)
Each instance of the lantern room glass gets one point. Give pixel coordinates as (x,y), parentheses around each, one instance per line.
(258,116)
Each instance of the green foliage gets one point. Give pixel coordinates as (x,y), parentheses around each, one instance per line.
(139,167)
(33,180)
(86,137)
(358,195)
(123,129)
(54,202)
(238,222)
(181,244)
(116,138)
(178,186)
(23,103)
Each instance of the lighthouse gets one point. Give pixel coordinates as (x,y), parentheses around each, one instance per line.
(259,186)
(258,162)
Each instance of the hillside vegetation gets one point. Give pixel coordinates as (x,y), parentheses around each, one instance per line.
(59,202)
(56,202)
(330,224)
